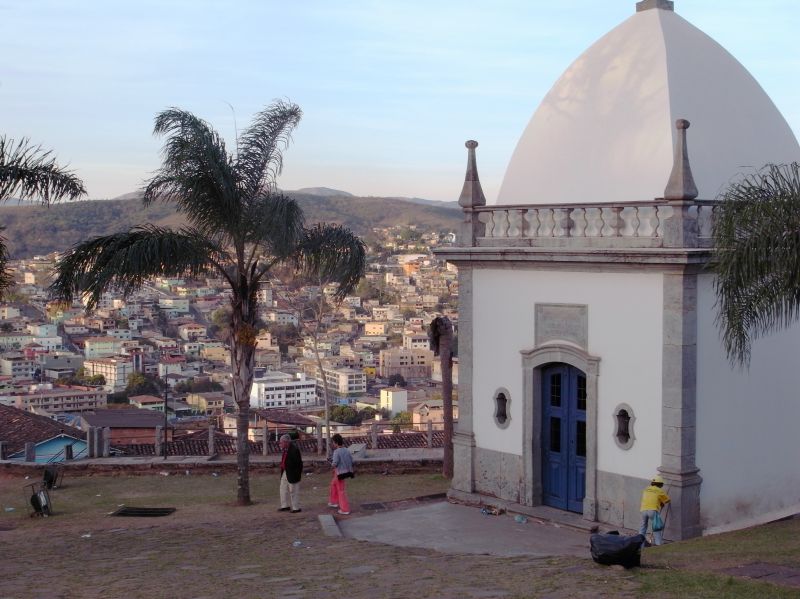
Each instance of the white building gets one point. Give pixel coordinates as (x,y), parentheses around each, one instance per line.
(101,347)
(589,356)
(415,340)
(281,390)
(394,399)
(345,385)
(115,370)
(282,317)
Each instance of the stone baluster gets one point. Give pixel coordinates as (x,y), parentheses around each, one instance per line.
(594,222)
(487,221)
(635,222)
(532,218)
(616,221)
(500,223)
(579,222)
(515,228)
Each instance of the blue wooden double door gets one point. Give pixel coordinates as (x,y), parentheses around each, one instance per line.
(563,437)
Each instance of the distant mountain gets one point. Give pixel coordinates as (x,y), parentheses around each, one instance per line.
(36,230)
(325,192)
(453,205)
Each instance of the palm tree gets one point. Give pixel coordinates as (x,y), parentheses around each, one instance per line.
(440,333)
(28,171)
(757,240)
(239,227)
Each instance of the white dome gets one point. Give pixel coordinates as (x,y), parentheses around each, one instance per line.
(604,132)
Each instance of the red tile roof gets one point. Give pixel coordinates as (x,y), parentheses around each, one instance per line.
(18,427)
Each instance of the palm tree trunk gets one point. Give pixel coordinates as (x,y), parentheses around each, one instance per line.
(242,346)
(446,357)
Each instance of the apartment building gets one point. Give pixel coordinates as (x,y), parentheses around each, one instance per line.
(18,367)
(58,400)
(416,340)
(281,390)
(115,370)
(101,347)
(409,363)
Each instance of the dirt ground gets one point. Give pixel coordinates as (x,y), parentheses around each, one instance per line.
(210,548)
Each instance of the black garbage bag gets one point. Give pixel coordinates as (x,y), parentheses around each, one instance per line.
(612,549)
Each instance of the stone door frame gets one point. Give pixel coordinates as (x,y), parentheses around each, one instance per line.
(533,361)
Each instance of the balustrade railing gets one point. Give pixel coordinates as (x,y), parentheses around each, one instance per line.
(632,224)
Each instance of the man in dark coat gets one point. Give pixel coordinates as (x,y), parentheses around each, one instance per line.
(291,475)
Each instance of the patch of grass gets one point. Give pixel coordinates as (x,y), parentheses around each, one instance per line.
(704,585)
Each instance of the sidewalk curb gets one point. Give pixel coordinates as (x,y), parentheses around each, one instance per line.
(329,526)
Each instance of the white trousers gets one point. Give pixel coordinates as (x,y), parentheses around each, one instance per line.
(290,493)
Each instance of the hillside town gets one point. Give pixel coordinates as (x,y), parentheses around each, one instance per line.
(164,348)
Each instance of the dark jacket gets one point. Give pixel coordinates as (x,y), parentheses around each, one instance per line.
(294,464)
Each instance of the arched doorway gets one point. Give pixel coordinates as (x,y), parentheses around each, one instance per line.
(581,369)
(563,437)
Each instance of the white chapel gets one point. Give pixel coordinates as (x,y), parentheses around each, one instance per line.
(589,356)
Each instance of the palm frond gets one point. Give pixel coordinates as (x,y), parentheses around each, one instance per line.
(124,261)
(260,158)
(757,239)
(31,172)
(275,224)
(196,173)
(332,254)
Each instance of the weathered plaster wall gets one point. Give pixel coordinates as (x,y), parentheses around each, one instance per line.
(625,331)
(747,426)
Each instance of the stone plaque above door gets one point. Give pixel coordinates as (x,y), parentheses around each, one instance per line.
(562,322)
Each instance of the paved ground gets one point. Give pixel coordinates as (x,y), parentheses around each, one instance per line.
(453,528)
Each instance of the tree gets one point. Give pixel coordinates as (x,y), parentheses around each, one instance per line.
(238,227)
(757,240)
(397,380)
(28,171)
(141,384)
(400,421)
(344,414)
(440,334)
(201,386)
(96,380)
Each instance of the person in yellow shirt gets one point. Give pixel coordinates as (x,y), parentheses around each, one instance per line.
(653,499)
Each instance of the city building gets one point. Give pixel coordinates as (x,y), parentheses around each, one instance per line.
(56,400)
(281,390)
(408,363)
(115,370)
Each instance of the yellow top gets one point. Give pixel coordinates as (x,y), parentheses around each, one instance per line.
(653,498)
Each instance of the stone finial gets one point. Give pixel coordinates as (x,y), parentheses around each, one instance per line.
(681,183)
(471,193)
(648,4)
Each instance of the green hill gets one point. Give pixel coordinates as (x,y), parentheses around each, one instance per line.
(35,230)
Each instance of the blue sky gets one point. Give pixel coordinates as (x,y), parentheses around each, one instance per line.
(390,90)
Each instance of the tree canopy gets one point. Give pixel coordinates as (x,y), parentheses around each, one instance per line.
(28,171)
(757,240)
